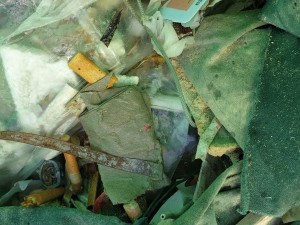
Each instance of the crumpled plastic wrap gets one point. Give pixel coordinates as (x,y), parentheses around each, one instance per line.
(38,90)
(36,42)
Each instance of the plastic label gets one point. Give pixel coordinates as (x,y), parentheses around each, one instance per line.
(181,11)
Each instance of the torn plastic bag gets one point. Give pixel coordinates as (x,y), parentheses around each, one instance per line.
(66,27)
(117,126)
(35,91)
(13,13)
(34,68)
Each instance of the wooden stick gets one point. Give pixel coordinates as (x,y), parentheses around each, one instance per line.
(126,164)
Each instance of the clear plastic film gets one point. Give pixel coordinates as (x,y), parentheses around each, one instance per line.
(37,39)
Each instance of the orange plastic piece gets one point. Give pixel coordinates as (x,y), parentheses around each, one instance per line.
(84,67)
(44,196)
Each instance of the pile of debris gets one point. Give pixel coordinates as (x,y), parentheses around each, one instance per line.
(149,112)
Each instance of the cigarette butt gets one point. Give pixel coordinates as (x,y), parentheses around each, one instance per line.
(44,196)
(122,81)
(112,81)
(84,67)
(133,210)
(73,172)
(72,168)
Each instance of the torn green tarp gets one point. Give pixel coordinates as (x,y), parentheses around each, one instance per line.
(224,65)
(49,215)
(283,14)
(271,170)
(117,126)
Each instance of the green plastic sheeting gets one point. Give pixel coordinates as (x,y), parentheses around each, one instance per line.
(117,126)
(271,171)
(48,216)
(283,14)
(224,65)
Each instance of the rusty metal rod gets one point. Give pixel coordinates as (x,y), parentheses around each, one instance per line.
(139,166)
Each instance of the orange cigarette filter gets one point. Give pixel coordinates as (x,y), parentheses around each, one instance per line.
(42,197)
(72,165)
(111,82)
(73,172)
(84,67)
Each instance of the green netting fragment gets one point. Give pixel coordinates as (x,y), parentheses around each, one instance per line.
(271,171)
(49,215)
(283,14)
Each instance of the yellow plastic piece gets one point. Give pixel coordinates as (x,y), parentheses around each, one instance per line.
(84,67)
